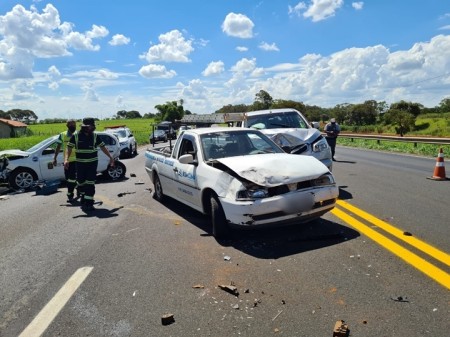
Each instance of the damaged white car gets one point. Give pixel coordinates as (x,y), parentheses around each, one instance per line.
(240,177)
(23,169)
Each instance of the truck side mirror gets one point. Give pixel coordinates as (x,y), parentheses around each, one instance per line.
(187,159)
(315,125)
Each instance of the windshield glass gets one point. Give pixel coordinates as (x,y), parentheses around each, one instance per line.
(288,119)
(39,145)
(236,143)
(121,133)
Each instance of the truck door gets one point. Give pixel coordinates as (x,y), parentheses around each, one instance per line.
(186,174)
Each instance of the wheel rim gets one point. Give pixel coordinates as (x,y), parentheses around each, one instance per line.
(24,179)
(115,172)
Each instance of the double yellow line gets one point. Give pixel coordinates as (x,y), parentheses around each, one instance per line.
(421,264)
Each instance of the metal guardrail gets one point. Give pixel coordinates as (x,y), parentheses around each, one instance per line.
(415,140)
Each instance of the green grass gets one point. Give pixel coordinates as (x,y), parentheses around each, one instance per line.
(141,129)
(426,150)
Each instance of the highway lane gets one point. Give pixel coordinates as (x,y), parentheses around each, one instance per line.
(146,259)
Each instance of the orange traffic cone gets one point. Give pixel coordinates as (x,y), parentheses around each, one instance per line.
(439,170)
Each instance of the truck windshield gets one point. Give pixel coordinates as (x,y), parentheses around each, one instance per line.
(288,119)
(236,143)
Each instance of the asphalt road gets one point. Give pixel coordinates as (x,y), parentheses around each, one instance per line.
(117,271)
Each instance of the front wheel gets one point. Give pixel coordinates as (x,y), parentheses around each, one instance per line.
(117,172)
(158,193)
(22,178)
(220,226)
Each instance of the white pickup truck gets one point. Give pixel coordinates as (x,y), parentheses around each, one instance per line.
(23,168)
(240,177)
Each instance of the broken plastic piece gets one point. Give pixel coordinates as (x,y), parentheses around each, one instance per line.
(340,329)
(167,319)
(230,289)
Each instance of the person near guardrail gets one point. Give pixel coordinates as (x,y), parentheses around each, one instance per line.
(70,172)
(85,144)
(332,130)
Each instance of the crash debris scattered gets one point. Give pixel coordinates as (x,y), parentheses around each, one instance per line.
(229,289)
(341,329)
(167,319)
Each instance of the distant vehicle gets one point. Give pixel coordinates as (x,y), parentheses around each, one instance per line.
(158,136)
(128,144)
(168,128)
(24,168)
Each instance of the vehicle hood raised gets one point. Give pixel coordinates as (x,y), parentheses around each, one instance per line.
(14,153)
(275,169)
(295,136)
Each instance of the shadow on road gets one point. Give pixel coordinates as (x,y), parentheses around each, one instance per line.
(272,243)
(343,194)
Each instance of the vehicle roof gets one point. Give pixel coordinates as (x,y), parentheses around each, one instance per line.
(269,111)
(205,130)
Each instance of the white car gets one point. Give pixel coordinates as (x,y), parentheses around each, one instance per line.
(128,144)
(240,177)
(22,169)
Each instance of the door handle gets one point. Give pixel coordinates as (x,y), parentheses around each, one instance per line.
(175,169)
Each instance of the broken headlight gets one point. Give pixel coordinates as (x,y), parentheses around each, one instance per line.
(326,179)
(320,145)
(252,194)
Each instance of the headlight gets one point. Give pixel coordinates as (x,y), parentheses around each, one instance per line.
(326,179)
(123,143)
(252,194)
(321,145)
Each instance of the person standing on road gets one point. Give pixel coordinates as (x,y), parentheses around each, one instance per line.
(332,129)
(70,171)
(85,144)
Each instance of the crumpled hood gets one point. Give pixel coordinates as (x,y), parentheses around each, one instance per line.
(296,136)
(275,169)
(8,153)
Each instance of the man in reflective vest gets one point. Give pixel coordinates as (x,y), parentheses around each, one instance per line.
(70,173)
(85,144)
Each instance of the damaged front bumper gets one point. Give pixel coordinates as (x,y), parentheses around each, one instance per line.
(296,206)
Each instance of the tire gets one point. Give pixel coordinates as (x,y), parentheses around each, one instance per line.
(220,227)
(117,172)
(131,152)
(22,178)
(135,150)
(158,193)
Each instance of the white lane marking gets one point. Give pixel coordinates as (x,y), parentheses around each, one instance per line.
(46,316)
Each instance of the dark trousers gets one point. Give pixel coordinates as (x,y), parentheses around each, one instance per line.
(71,178)
(86,174)
(332,144)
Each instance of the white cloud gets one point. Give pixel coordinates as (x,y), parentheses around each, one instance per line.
(244,66)
(195,89)
(241,48)
(238,25)
(445,27)
(28,34)
(156,71)
(268,47)
(119,40)
(90,94)
(172,47)
(317,10)
(358,5)
(214,68)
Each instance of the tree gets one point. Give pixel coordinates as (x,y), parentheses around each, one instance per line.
(121,114)
(262,100)
(281,103)
(412,108)
(403,120)
(444,105)
(133,114)
(170,111)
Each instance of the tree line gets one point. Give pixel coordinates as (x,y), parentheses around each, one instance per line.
(401,114)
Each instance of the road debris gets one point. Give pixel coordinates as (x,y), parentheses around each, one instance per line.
(256,302)
(132,175)
(407,234)
(139,183)
(3,197)
(236,306)
(198,286)
(400,299)
(121,194)
(340,329)
(279,313)
(167,319)
(229,289)
(227,258)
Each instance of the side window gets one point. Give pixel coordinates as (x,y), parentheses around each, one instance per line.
(187,147)
(50,149)
(108,140)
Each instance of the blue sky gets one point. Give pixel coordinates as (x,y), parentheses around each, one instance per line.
(76,58)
